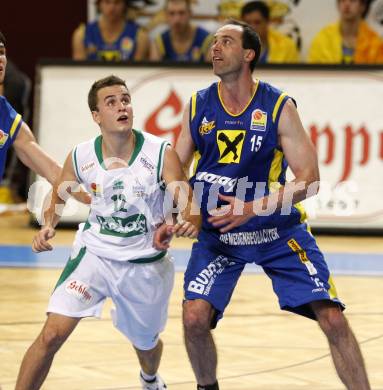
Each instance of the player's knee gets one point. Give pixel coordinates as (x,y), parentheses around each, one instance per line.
(334,324)
(51,340)
(196,319)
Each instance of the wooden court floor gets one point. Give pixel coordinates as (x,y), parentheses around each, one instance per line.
(260,347)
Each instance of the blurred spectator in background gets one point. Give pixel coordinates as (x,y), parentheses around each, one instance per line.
(16,89)
(276,47)
(182,41)
(114,36)
(350,40)
(229,9)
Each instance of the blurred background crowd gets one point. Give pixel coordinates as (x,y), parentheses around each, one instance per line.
(337,32)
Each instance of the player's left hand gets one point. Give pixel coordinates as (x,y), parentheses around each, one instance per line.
(229,216)
(186,229)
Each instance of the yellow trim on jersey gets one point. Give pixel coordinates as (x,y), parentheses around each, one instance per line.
(15,123)
(247,105)
(160,44)
(296,248)
(277,105)
(332,290)
(302,211)
(275,171)
(193,107)
(197,157)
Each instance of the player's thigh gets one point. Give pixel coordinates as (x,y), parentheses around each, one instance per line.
(211,276)
(141,299)
(81,289)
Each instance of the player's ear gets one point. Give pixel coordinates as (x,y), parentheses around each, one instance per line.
(96,117)
(249,55)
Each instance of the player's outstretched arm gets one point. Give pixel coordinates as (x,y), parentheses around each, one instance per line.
(31,154)
(66,184)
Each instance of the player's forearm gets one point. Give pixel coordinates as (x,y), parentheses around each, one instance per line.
(53,213)
(285,197)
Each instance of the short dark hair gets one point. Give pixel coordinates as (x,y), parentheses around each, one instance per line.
(130,4)
(256,6)
(2,38)
(250,40)
(108,81)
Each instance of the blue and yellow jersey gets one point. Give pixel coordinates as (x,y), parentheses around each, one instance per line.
(196,51)
(232,149)
(121,49)
(10,122)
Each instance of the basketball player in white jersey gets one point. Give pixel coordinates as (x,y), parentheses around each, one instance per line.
(113,254)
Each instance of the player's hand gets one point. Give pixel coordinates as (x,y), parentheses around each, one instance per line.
(235,213)
(162,237)
(186,229)
(40,241)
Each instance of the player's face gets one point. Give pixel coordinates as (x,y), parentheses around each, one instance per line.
(258,23)
(115,112)
(3,62)
(350,10)
(112,9)
(177,15)
(226,51)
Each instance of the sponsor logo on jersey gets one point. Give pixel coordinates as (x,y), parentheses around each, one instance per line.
(227,182)
(230,144)
(258,120)
(205,279)
(138,189)
(118,185)
(149,166)
(79,289)
(295,247)
(87,166)
(127,44)
(96,189)
(256,237)
(3,138)
(206,126)
(133,225)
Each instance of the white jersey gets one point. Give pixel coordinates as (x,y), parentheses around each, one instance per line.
(127,203)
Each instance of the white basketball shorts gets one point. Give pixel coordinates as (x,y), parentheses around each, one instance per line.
(140,293)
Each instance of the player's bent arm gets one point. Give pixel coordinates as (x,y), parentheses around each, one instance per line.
(185,145)
(301,157)
(65,185)
(155,54)
(31,154)
(182,193)
(78,47)
(143,46)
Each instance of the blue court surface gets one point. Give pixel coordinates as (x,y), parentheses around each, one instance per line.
(339,263)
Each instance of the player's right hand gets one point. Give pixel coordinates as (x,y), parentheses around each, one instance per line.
(162,237)
(40,241)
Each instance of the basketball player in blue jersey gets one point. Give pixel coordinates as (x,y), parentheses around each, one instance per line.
(182,41)
(14,131)
(243,134)
(112,37)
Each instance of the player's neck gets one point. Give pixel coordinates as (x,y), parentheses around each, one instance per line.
(118,148)
(236,94)
(349,28)
(112,26)
(184,34)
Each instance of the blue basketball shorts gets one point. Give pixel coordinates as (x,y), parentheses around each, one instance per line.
(290,258)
